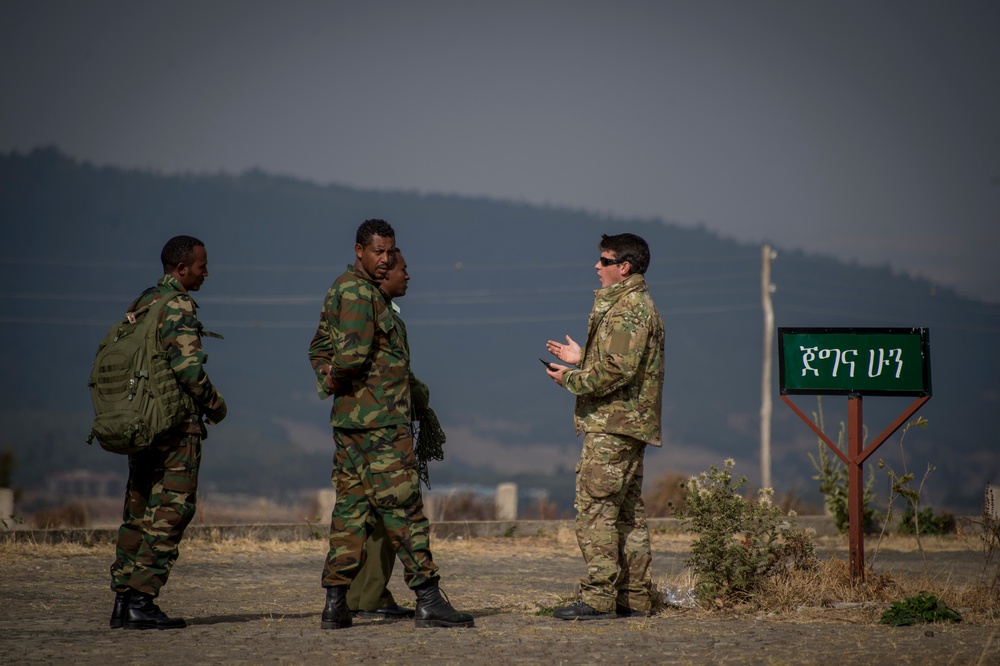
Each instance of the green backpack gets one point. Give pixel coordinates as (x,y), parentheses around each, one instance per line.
(135,394)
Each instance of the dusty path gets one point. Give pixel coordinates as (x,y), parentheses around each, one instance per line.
(260,603)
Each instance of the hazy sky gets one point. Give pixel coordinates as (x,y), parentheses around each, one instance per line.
(867,130)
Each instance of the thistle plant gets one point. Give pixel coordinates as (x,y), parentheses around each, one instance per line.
(740,542)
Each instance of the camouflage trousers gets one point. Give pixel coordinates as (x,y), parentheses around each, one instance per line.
(160,501)
(376,471)
(611,523)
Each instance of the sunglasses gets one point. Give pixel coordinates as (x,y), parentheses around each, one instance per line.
(609,262)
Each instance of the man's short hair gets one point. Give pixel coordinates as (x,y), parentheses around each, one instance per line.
(630,248)
(371,228)
(178,250)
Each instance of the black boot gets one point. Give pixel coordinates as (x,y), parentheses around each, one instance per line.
(391,611)
(120,608)
(434,611)
(336,615)
(582,611)
(143,613)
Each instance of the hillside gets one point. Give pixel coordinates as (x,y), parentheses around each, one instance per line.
(491,281)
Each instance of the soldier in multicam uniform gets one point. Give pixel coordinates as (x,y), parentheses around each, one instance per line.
(160,496)
(618,384)
(359,356)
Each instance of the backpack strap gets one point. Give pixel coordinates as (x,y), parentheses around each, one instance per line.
(159,304)
(135,315)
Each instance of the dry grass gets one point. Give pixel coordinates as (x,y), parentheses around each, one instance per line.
(31,550)
(824,594)
(931,544)
(829,586)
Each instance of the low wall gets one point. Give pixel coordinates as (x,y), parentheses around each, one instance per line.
(823,526)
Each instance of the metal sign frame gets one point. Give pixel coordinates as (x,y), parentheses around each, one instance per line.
(857,452)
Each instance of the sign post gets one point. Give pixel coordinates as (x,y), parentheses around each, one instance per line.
(855,362)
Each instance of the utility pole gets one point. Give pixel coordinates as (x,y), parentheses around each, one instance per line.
(766,289)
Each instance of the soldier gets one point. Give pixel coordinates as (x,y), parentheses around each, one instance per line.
(359,356)
(368,596)
(163,479)
(618,384)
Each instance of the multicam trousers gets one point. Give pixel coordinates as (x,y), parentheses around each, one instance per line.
(611,523)
(160,501)
(376,470)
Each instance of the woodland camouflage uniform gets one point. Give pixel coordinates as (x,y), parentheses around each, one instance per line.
(368,591)
(160,497)
(619,386)
(374,465)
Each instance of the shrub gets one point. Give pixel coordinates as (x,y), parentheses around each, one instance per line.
(70,515)
(740,543)
(924,607)
(927,522)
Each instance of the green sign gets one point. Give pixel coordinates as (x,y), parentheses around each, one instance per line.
(861,361)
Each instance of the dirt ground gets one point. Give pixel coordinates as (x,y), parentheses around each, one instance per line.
(259,602)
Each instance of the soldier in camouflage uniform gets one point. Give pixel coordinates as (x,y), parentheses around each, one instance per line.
(160,496)
(618,384)
(368,596)
(359,356)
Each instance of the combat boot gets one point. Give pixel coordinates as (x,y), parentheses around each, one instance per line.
(392,611)
(143,613)
(582,611)
(336,614)
(433,610)
(120,608)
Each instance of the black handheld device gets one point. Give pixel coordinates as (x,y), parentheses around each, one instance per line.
(546,364)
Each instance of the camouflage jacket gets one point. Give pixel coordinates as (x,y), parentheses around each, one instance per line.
(365,348)
(180,334)
(619,383)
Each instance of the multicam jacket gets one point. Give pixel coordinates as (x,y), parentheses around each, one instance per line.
(619,385)
(180,334)
(365,348)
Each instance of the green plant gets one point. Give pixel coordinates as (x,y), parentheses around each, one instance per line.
(833,481)
(740,543)
(315,528)
(915,521)
(924,607)
(926,521)
(8,523)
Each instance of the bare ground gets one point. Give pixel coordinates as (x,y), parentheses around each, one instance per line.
(249,601)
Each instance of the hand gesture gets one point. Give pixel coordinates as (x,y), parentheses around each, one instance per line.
(567,353)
